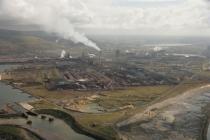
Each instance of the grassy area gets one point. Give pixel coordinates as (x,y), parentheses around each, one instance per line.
(40,91)
(104,123)
(101,123)
(10,129)
(136,96)
(181,88)
(42,104)
(16,133)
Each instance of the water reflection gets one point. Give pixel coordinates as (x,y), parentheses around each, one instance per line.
(57,128)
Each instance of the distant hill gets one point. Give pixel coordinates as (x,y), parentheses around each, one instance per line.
(33,43)
(38,43)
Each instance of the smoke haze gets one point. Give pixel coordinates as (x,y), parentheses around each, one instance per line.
(54,16)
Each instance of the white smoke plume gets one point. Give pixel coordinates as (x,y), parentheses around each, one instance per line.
(55,16)
(63,54)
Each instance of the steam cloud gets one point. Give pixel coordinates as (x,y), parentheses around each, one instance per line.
(55,16)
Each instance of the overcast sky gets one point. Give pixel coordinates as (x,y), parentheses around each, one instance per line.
(159,17)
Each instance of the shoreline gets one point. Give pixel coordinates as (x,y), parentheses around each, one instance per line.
(76,126)
(33,133)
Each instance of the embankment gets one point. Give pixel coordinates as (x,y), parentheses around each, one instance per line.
(71,120)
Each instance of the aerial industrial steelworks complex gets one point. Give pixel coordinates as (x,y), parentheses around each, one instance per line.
(104,70)
(156,91)
(118,94)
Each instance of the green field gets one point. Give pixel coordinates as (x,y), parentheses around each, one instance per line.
(16,133)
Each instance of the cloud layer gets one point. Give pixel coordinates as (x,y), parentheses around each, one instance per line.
(64,16)
(190,16)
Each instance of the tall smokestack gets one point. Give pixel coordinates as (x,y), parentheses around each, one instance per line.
(99,58)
